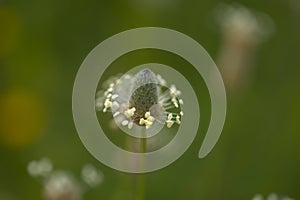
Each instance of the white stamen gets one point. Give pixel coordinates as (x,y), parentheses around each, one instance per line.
(147,115)
(107,103)
(161,81)
(169,123)
(178,119)
(142,121)
(148,123)
(115,105)
(114,96)
(125,122)
(130,125)
(174,100)
(116,114)
(130,112)
(151,119)
(174,92)
(181,101)
(170,116)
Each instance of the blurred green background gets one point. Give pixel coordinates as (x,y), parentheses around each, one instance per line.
(42,45)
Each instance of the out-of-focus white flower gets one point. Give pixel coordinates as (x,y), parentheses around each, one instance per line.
(41,167)
(258,197)
(61,185)
(272,196)
(237,20)
(91,175)
(242,31)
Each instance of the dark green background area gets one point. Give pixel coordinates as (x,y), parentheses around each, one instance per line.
(259,149)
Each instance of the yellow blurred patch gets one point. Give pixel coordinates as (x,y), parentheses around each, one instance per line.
(22,118)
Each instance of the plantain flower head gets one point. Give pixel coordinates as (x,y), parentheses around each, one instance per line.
(141,100)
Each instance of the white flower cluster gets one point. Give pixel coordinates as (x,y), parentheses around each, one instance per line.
(91,175)
(107,101)
(174,93)
(109,98)
(170,100)
(62,185)
(59,184)
(170,121)
(271,196)
(40,168)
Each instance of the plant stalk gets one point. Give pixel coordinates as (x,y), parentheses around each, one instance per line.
(141,177)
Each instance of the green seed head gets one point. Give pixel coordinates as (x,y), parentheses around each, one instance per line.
(145,94)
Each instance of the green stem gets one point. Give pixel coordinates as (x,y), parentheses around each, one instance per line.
(141,177)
